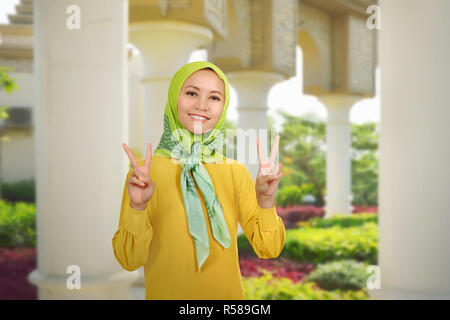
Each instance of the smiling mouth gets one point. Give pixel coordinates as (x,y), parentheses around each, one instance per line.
(198,118)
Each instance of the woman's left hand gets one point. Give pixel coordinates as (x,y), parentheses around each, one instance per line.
(268,176)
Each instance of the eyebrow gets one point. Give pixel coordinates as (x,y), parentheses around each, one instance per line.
(214,91)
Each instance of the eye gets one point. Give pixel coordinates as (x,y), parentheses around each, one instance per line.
(189,94)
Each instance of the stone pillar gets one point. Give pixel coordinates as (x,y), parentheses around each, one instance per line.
(252,89)
(80,115)
(165,46)
(414,186)
(135,118)
(338,162)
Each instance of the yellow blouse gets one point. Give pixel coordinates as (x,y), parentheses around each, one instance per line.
(158,237)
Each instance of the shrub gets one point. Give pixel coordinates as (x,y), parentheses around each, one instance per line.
(365,209)
(343,274)
(293,195)
(289,195)
(294,214)
(269,288)
(312,245)
(342,221)
(15,266)
(324,240)
(19,191)
(319,245)
(244,246)
(279,267)
(17,224)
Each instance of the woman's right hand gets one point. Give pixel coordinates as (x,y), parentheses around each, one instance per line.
(140,186)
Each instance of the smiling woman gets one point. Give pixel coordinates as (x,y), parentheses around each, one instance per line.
(181,207)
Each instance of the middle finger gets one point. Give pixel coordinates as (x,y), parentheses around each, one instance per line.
(275,149)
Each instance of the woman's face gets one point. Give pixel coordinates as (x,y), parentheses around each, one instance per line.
(202,94)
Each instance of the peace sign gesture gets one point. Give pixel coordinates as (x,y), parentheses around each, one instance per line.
(140,186)
(268,176)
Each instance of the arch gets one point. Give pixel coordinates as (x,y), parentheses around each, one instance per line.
(312,64)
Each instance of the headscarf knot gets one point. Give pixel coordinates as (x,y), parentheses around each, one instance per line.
(189,160)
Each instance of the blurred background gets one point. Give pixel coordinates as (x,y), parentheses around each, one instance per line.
(78,78)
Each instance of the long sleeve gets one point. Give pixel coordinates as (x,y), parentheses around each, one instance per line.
(263,228)
(131,242)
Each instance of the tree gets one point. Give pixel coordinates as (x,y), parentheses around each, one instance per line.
(303,153)
(7,84)
(365,163)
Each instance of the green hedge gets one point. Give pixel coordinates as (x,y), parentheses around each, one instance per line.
(268,288)
(19,191)
(343,221)
(332,242)
(343,275)
(243,244)
(320,245)
(293,195)
(17,224)
(289,196)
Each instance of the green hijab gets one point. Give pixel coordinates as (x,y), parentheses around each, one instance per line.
(191,149)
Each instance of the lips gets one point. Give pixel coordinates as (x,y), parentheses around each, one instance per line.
(198,117)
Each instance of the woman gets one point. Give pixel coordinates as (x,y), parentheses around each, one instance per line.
(180,208)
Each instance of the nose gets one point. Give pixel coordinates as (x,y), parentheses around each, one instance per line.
(202,105)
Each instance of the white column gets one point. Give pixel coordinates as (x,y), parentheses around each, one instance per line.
(414,186)
(252,89)
(338,196)
(165,46)
(81,98)
(135,118)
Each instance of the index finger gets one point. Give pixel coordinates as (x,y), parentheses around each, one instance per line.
(274,149)
(134,163)
(148,157)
